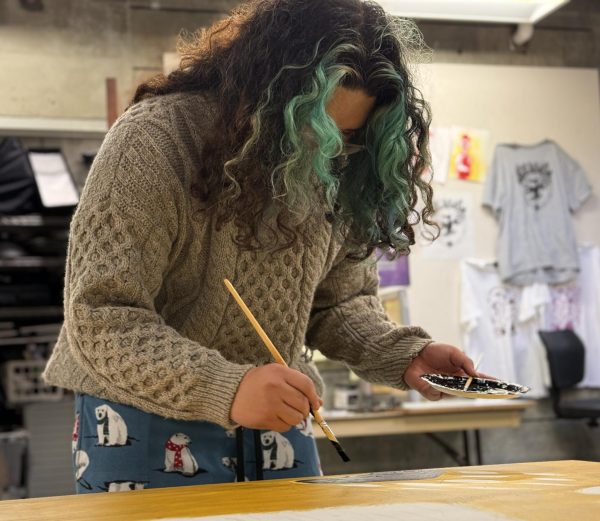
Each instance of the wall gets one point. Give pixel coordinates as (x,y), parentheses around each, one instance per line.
(79,43)
(54,63)
(517,105)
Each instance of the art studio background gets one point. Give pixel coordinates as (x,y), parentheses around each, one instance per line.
(69,67)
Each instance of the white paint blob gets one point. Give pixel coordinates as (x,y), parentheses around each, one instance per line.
(473,481)
(590,490)
(485,476)
(555,479)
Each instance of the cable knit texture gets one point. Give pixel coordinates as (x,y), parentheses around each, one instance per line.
(148,321)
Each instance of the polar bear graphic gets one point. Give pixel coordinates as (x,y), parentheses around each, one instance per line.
(122,486)
(178,457)
(112,430)
(305,428)
(278,452)
(81,462)
(231,464)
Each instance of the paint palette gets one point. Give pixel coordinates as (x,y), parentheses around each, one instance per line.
(479,388)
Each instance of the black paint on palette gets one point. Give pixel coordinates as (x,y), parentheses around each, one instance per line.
(478,385)
(372,477)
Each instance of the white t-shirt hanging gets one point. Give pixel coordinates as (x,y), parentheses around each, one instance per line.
(530,356)
(532,191)
(501,322)
(489,313)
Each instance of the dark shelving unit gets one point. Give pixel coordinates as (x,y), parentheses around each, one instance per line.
(31,287)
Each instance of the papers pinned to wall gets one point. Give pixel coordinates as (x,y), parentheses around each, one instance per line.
(454,215)
(467,157)
(440,145)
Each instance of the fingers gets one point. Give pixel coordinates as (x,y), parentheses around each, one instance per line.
(278,425)
(424,388)
(431,394)
(289,416)
(305,385)
(296,400)
(483,375)
(462,361)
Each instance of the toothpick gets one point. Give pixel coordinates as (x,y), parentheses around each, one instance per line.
(470,379)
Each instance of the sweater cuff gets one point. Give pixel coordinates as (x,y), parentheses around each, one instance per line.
(216,390)
(395,362)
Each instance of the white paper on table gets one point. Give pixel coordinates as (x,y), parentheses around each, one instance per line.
(421,511)
(54,182)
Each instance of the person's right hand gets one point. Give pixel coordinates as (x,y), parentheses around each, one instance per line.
(274,397)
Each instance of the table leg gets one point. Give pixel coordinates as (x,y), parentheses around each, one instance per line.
(478,447)
(460,459)
(467,448)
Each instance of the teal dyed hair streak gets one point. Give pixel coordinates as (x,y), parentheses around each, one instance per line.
(374,193)
(312,140)
(284,153)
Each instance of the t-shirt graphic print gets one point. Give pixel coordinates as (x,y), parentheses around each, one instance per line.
(532,191)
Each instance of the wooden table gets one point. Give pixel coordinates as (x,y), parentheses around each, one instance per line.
(544,491)
(429,417)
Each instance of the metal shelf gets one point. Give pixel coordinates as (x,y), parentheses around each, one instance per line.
(31,312)
(33,221)
(27,263)
(27,340)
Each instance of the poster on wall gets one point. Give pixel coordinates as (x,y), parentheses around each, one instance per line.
(392,272)
(454,216)
(440,145)
(467,162)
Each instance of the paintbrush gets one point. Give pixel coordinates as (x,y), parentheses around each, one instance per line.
(279,359)
(470,379)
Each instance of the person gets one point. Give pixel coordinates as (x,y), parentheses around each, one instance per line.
(287,147)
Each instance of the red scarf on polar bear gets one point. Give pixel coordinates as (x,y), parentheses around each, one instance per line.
(176,448)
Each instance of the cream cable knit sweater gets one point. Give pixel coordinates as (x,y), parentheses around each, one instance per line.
(148,321)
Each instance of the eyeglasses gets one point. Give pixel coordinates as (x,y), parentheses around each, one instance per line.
(352,148)
(354,142)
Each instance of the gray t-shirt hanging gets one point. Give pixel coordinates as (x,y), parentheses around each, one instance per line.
(532,191)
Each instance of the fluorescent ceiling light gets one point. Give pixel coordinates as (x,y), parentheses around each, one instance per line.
(491,11)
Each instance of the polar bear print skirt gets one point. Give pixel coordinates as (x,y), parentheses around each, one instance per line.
(117,448)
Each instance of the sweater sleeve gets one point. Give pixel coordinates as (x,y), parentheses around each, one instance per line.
(123,240)
(348,323)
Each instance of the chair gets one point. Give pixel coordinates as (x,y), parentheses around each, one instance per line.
(566,358)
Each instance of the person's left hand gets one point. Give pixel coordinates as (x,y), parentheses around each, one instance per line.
(437,358)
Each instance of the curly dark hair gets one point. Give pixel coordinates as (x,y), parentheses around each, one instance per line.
(273,65)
